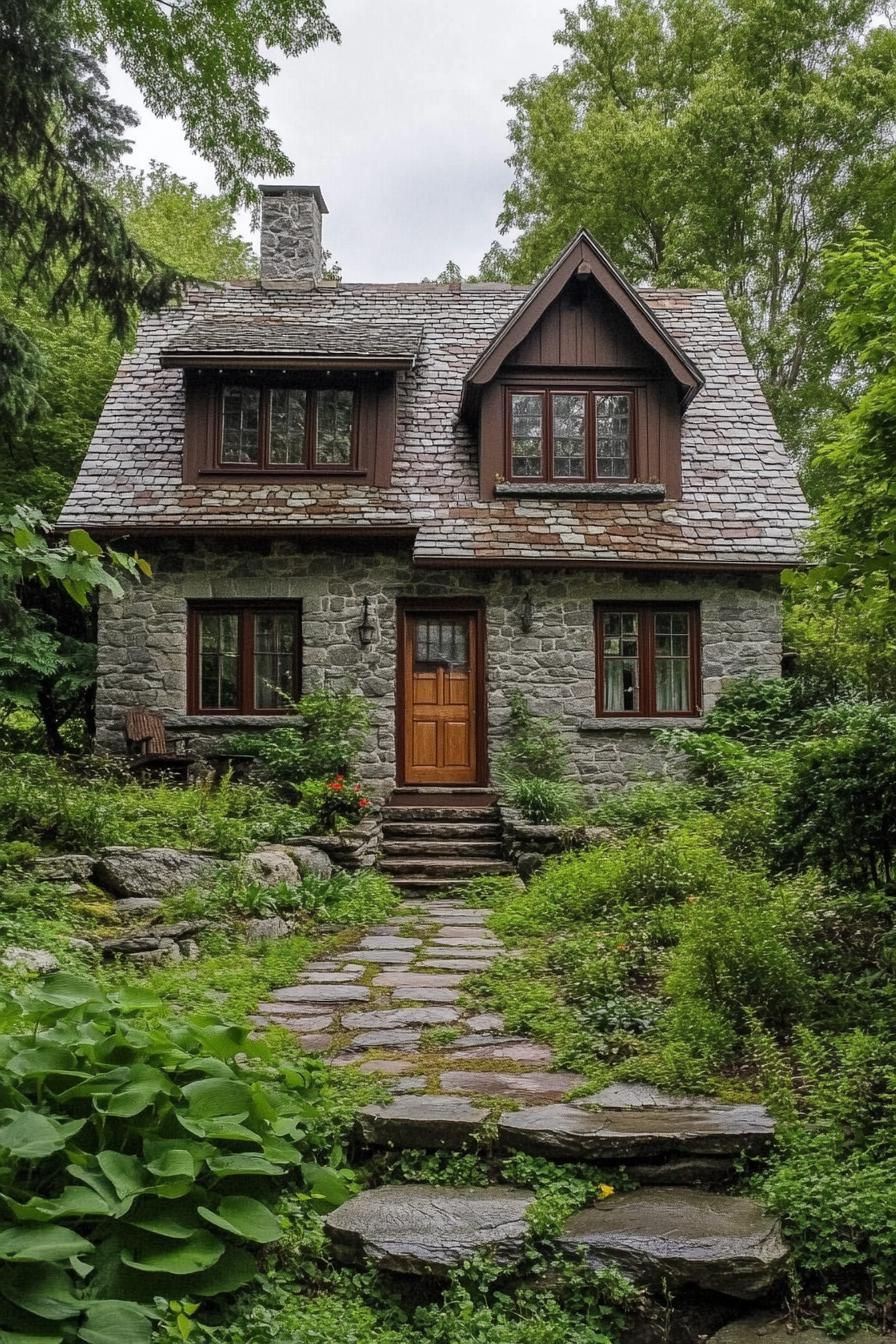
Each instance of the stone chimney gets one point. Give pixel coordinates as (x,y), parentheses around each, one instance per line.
(291,232)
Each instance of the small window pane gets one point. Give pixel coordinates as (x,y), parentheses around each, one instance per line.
(274,658)
(287,431)
(334,427)
(527,455)
(239,442)
(569,434)
(612,436)
(621,689)
(441,641)
(219,660)
(672,633)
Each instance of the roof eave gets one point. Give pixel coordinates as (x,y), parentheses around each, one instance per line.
(182,359)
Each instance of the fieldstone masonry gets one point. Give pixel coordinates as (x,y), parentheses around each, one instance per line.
(291,233)
(142,641)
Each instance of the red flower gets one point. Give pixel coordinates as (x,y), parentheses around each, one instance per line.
(363,802)
(337,784)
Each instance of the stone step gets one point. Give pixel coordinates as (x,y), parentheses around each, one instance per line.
(670,1238)
(444,867)
(660,1238)
(440,814)
(436,830)
(472,849)
(572,1132)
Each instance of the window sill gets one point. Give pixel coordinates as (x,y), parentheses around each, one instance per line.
(244,474)
(643,490)
(243,722)
(640,725)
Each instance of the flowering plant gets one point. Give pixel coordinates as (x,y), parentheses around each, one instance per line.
(335,801)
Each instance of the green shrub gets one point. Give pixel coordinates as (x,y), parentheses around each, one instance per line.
(18,854)
(334,731)
(139,1157)
(758,711)
(655,807)
(342,898)
(543,801)
(86,807)
(534,748)
(839,812)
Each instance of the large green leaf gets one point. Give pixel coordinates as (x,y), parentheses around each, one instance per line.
(127,1174)
(44,1243)
(65,990)
(42,1060)
(44,1290)
(74,1202)
(184,1257)
(174,1162)
(31,1136)
(244,1217)
(219,1127)
(162,1220)
(236,1268)
(243,1164)
(133,997)
(130,1100)
(103,1187)
(83,542)
(216,1098)
(115,1323)
(326,1185)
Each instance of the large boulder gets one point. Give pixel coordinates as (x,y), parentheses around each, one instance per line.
(270,868)
(64,868)
(682,1238)
(421,1122)
(259,930)
(32,959)
(310,859)
(430,1230)
(155,873)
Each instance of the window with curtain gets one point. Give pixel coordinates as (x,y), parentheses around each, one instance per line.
(648,659)
(243,658)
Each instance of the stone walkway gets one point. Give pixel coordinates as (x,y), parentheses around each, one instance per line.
(394,1006)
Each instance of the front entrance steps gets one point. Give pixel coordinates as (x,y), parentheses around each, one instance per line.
(432,846)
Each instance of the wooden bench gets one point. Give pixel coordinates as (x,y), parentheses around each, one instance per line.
(149,745)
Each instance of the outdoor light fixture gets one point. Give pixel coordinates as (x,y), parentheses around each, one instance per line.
(367,629)
(527,614)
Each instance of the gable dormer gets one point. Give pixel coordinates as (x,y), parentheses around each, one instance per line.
(581,393)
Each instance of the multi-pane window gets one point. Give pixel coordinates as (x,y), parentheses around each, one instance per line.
(442,640)
(570,436)
(277,428)
(243,659)
(648,659)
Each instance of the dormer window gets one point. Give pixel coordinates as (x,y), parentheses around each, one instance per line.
(278,428)
(569,436)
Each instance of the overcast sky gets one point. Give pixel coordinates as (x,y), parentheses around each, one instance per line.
(402,125)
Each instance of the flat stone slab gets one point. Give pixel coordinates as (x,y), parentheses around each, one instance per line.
(314,1022)
(421,1122)
(461,964)
(422,995)
(548,1086)
(486,1022)
(389,941)
(768,1327)
(429,1230)
(573,1132)
(517,1052)
(322,994)
(641,1096)
(699,1171)
(316,1042)
(718,1243)
(386,1018)
(416,980)
(459,939)
(345,977)
(398,1039)
(392,1068)
(382,956)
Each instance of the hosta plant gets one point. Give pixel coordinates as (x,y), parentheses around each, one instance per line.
(140,1159)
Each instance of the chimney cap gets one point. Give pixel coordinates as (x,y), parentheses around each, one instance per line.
(294,188)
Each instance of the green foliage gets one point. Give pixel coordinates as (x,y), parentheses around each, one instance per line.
(17,854)
(758,711)
(693,140)
(150,1149)
(646,807)
(543,801)
(839,811)
(362,898)
(83,809)
(534,749)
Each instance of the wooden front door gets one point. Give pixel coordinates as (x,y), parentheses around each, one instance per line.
(441,697)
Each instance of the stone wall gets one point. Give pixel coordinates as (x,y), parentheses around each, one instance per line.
(142,638)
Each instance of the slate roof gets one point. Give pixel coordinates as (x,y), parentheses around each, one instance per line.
(741,502)
(271,335)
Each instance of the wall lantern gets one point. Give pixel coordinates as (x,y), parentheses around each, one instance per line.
(367,629)
(527,614)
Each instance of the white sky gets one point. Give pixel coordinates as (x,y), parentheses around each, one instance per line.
(402,125)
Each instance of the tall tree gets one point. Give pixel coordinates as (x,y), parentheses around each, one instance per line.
(720,142)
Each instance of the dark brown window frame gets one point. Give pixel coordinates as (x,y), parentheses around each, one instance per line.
(647,659)
(263,466)
(245,610)
(547,432)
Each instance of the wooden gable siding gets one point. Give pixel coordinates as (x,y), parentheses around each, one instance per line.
(375,415)
(583,339)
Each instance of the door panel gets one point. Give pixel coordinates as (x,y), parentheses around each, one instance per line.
(440,697)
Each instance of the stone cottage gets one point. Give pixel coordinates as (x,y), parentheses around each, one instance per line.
(436,494)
